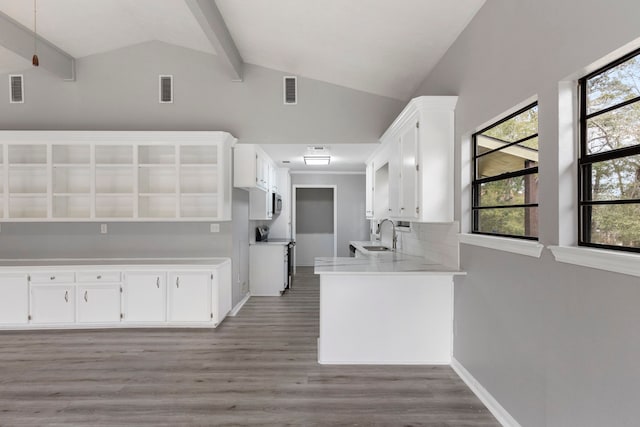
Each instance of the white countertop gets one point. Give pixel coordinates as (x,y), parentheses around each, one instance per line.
(110,263)
(273,242)
(392,263)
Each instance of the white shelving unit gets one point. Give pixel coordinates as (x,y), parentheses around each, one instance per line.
(115,176)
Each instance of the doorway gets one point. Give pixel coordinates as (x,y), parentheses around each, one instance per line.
(314,223)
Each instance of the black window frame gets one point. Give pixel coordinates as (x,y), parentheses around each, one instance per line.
(477,182)
(585,160)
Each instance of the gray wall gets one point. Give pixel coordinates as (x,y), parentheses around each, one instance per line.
(555,344)
(118,90)
(352,224)
(314,210)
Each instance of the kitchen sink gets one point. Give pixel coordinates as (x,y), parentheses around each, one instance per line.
(376,248)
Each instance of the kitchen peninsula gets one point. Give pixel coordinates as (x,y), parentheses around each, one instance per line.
(387,308)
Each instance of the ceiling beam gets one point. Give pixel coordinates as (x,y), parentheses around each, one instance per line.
(208,16)
(19,39)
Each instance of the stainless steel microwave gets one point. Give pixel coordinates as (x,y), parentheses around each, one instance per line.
(277,203)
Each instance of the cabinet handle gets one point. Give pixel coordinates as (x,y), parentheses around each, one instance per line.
(52,278)
(177,282)
(66,296)
(158,282)
(86,296)
(99,277)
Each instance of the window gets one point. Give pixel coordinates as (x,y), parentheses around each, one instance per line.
(505,184)
(609,163)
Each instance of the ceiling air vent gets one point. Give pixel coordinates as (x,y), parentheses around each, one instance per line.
(290,90)
(166,89)
(16,89)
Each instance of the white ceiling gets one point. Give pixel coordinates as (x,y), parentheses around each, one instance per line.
(344,157)
(379,46)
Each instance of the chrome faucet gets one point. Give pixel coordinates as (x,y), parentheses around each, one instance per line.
(394,236)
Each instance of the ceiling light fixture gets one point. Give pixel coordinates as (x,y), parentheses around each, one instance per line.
(317,160)
(35,61)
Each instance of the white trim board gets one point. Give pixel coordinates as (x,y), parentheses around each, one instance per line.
(501,414)
(615,261)
(235,310)
(517,246)
(295,172)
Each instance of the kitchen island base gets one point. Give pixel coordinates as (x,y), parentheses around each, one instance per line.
(386,318)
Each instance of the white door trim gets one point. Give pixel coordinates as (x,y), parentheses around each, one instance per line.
(335,215)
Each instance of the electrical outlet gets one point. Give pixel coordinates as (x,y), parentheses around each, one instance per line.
(214,228)
(103,228)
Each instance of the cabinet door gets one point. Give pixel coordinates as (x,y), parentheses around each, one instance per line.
(190,297)
(99,303)
(145,297)
(369,191)
(14,299)
(409,186)
(395,183)
(53,303)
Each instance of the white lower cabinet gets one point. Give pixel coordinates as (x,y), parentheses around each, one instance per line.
(99,303)
(53,303)
(173,294)
(190,297)
(145,297)
(268,269)
(14,299)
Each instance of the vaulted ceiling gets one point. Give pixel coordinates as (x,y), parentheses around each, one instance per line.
(378,46)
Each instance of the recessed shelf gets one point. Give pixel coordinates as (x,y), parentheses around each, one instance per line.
(198,206)
(114,180)
(194,154)
(113,154)
(27,207)
(198,180)
(28,180)
(157,180)
(28,153)
(114,206)
(156,154)
(71,206)
(71,154)
(75,179)
(157,206)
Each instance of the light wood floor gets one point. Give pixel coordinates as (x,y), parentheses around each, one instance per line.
(258,368)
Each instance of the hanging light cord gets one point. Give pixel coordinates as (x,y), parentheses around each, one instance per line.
(35,61)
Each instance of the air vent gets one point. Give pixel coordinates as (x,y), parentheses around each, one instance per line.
(16,89)
(166,89)
(290,90)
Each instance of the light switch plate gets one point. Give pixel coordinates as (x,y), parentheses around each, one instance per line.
(214,228)
(103,228)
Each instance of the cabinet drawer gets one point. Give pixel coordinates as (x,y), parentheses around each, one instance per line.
(53,277)
(99,276)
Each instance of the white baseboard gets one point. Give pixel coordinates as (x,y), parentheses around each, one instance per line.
(234,311)
(485,397)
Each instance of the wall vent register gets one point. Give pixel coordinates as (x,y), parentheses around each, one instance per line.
(290,90)
(166,89)
(16,89)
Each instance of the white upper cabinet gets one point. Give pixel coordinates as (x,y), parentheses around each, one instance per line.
(254,170)
(413,171)
(115,176)
(369,190)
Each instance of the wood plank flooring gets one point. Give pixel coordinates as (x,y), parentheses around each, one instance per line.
(258,368)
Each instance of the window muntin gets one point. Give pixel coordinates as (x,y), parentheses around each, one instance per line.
(609,163)
(505,185)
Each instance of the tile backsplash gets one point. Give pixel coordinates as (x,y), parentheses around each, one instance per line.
(435,241)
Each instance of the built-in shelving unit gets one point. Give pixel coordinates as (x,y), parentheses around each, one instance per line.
(115,176)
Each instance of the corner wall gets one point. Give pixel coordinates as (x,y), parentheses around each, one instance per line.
(555,344)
